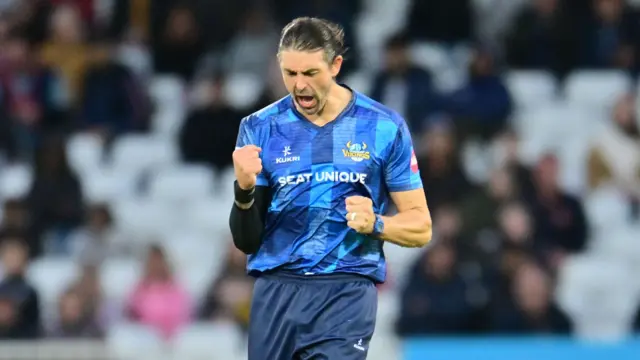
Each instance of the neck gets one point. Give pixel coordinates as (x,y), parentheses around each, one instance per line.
(337,100)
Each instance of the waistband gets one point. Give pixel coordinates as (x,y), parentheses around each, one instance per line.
(288,276)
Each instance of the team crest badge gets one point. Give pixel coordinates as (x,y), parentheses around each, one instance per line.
(356,151)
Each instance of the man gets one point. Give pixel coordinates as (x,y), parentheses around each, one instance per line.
(315,171)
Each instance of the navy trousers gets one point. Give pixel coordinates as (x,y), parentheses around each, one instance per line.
(317,317)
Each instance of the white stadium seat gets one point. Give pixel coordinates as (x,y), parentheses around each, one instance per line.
(169,95)
(51,276)
(242,90)
(107,185)
(208,215)
(143,218)
(531,88)
(599,296)
(119,277)
(186,182)
(85,152)
(596,89)
(139,153)
(15,181)
(128,341)
(209,341)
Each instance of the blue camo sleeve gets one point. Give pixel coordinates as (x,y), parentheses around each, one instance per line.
(401,171)
(247,136)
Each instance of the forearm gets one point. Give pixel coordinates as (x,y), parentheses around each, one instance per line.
(246,221)
(411,228)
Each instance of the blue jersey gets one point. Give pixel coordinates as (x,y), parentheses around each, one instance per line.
(311,170)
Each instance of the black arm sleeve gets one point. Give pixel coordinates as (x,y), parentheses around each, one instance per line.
(247,226)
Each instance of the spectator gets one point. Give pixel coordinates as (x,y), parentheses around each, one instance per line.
(229,298)
(66,50)
(507,155)
(449,22)
(480,208)
(611,36)
(112,100)
(404,86)
(483,105)
(75,322)
(159,300)
(614,158)
(16,222)
(33,97)
(20,308)
(208,135)
(435,301)
(543,36)
(561,224)
(104,311)
(440,167)
(180,46)
(99,239)
(530,310)
(55,197)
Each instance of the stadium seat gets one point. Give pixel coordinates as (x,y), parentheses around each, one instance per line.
(139,153)
(607,208)
(599,295)
(359,81)
(144,219)
(531,88)
(596,89)
(430,56)
(168,93)
(84,152)
(51,276)
(186,182)
(208,215)
(242,90)
(209,341)
(128,341)
(15,181)
(119,277)
(107,185)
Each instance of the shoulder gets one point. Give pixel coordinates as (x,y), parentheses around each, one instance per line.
(382,117)
(264,116)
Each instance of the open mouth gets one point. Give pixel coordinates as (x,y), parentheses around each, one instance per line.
(305,101)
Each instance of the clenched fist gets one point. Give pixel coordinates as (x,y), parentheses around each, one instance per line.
(360,216)
(247,165)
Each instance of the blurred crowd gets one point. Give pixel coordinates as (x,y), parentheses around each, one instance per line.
(500,233)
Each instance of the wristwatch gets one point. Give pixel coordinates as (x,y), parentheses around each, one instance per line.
(378,226)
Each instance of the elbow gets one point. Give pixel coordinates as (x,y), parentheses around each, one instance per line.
(247,244)
(425,234)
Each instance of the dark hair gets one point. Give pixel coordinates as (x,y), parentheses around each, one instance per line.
(313,34)
(397,41)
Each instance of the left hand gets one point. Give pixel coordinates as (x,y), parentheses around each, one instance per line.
(364,217)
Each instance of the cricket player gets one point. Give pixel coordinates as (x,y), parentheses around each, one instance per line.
(315,174)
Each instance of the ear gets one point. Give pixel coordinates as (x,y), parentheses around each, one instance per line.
(336,66)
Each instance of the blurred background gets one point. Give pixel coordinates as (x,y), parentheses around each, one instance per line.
(117,123)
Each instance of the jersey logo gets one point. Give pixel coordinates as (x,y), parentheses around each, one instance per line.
(414,162)
(356,151)
(359,346)
(286,156)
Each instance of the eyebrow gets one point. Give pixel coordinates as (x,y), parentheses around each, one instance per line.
(306,72)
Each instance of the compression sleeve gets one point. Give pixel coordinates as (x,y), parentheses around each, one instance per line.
(247,225)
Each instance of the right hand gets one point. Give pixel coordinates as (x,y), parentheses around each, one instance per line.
(247,165)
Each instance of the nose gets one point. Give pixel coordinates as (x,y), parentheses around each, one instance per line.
(300,85)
